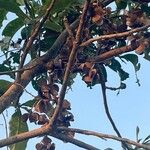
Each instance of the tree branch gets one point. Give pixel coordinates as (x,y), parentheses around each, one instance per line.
(103,87)
(24,136)
(14,71)
(46,130)
(73,141)
(70,63)
(33,36)
(111,36)
(14,92)
(113,53)
(102,135)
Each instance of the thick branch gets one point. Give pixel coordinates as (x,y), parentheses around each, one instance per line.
(14,92)
(74,141)
(107,136)
(113,53)
(112,36)
(44,130)
(24,136)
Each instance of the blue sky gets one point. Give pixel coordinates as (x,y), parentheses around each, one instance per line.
(129,109)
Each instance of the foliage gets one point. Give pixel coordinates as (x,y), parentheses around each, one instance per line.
(99,21)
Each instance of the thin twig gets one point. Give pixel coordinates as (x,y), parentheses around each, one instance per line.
(9,52)
(14,71)
(25,90)
(68,28)
(6,129)
(33,36)
(106,136)
(103,87)
(70,63)
(111,36)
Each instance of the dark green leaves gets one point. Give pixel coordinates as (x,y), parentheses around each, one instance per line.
(12,6)
(16,126)
(60,5)
(121,4)
(133,59)
(145,8)
(12,27)
(147,54)
(4,85)
(29,103)
(53,26)
(3,13)
(116,66)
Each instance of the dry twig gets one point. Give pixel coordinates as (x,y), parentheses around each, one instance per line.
(33,36)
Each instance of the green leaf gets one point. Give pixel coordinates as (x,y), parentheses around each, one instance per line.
(60,5)
(16,126)
(25,32)
(147,54)
(53,26)
(13,7)
(123,75)
(3,13)
(47,42)
(145,8)
(20,2)
(146,139)
(16,57)
(121,4)
(116,66)
(4,85)
(29,103)
(12,27)
(3,68)
(133,59)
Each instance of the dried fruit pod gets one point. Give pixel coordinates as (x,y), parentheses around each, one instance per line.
(40,146)
(98,14)
(66,105)
(140,49)
(33,117)
(46,140)
(25,117)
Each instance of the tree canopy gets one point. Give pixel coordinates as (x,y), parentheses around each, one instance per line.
(56,41)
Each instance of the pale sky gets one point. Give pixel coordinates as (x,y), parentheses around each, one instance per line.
(129,109)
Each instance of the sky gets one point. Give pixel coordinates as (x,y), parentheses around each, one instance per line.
(129,109)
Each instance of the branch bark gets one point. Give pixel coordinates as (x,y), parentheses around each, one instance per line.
(112,36)
(74,141)
(37,65)
(102,135)
(71,60)
(14,92)
(24,136)
(46,130)
(113,53)
(33,36)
